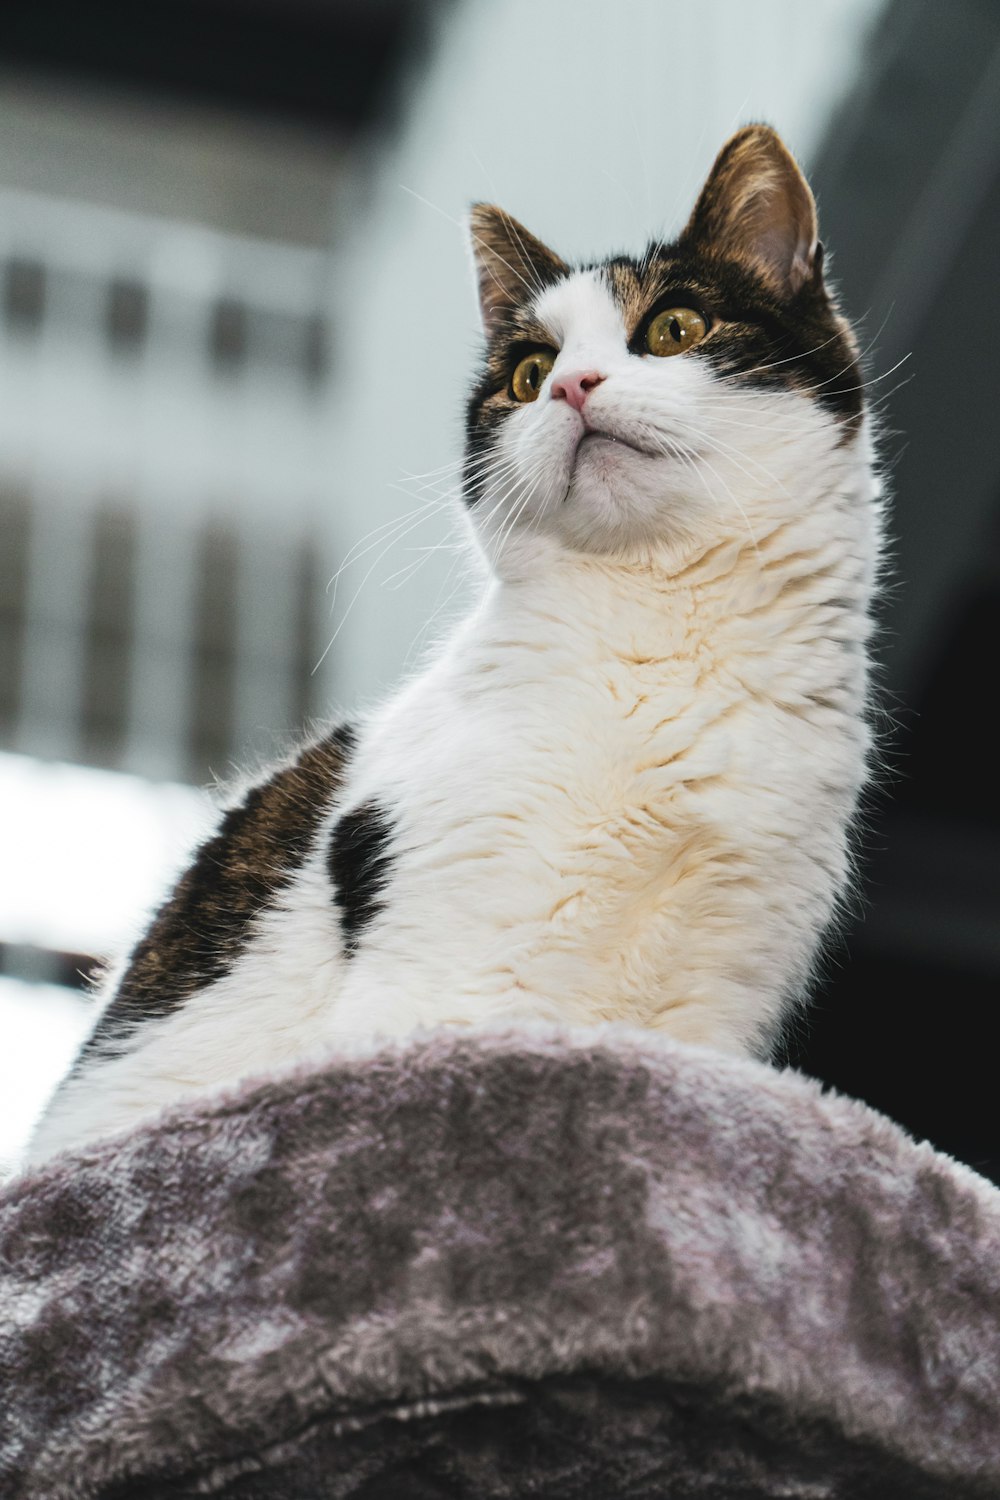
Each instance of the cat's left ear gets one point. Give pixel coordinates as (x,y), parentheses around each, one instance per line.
(512,266)
(756,207)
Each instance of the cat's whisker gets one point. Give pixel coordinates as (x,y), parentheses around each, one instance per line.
(409,570)
(814,387)
(458,470)
(450,466)
(428,204)
(698,473)
(406,575)
(740,458)
(774,364)
(492,463)
(494,255)
(508,477)
(440,605)
(496,469)
(373,537)
(489,463)
(477,238)
(513,228)
(872,379)
(864,385)
(736,457)
(886,396)
(703,459)
(759,419)
(807,353)
(442,499)
(508,530)
(390,541)
(388,533)
(418,485)
(483,522)
(531,482)
(498,542)
(500,486)
(403,575)
(866,349)
(445,499)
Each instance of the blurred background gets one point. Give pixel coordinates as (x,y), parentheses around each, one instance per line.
(236,322)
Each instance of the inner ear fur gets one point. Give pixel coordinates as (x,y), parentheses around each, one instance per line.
(756,207)
(511,264)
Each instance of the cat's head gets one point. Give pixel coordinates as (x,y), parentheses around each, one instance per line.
(648,402)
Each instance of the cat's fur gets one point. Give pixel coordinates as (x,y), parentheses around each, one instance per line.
(622,789)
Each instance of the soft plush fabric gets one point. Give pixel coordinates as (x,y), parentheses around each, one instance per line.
(581,1267)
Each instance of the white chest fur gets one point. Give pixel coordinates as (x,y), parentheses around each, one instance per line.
(622,794)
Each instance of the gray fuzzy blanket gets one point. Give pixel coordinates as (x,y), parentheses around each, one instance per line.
(582,1266)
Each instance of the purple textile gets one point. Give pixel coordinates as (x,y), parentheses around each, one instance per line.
(582,1266)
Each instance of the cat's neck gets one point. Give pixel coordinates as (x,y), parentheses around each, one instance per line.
(658,602)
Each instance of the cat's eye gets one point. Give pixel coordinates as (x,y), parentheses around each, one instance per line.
(529,374)
(674,330)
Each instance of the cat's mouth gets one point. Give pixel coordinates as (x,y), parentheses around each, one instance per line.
(591,440)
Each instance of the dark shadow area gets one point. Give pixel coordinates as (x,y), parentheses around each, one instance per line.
(909,192)
(322,63)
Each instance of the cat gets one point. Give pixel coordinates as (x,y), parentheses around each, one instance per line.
(622,790)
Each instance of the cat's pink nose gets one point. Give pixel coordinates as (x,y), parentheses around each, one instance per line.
(576,387)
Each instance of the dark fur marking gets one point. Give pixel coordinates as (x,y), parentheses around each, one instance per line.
(360,863)
(798,344)
(207,921)
(509,261)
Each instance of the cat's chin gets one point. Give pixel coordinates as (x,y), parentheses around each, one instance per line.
(618,496)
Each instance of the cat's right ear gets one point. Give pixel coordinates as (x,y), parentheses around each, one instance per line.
(756,207)
(511,265)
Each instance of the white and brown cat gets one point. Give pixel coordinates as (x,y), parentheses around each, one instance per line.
(622,790)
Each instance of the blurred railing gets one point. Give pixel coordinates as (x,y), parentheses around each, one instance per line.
(162,400)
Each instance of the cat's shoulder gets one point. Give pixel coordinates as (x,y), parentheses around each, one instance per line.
(265,829)
(262,836)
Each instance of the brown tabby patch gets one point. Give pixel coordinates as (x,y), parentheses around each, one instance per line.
(207,921)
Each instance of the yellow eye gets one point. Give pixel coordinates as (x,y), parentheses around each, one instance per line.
(529,375)
(674,330)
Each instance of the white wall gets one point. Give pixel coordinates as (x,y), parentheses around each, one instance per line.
(594,123)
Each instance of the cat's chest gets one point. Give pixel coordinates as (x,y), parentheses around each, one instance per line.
(552,763)
(548,834)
